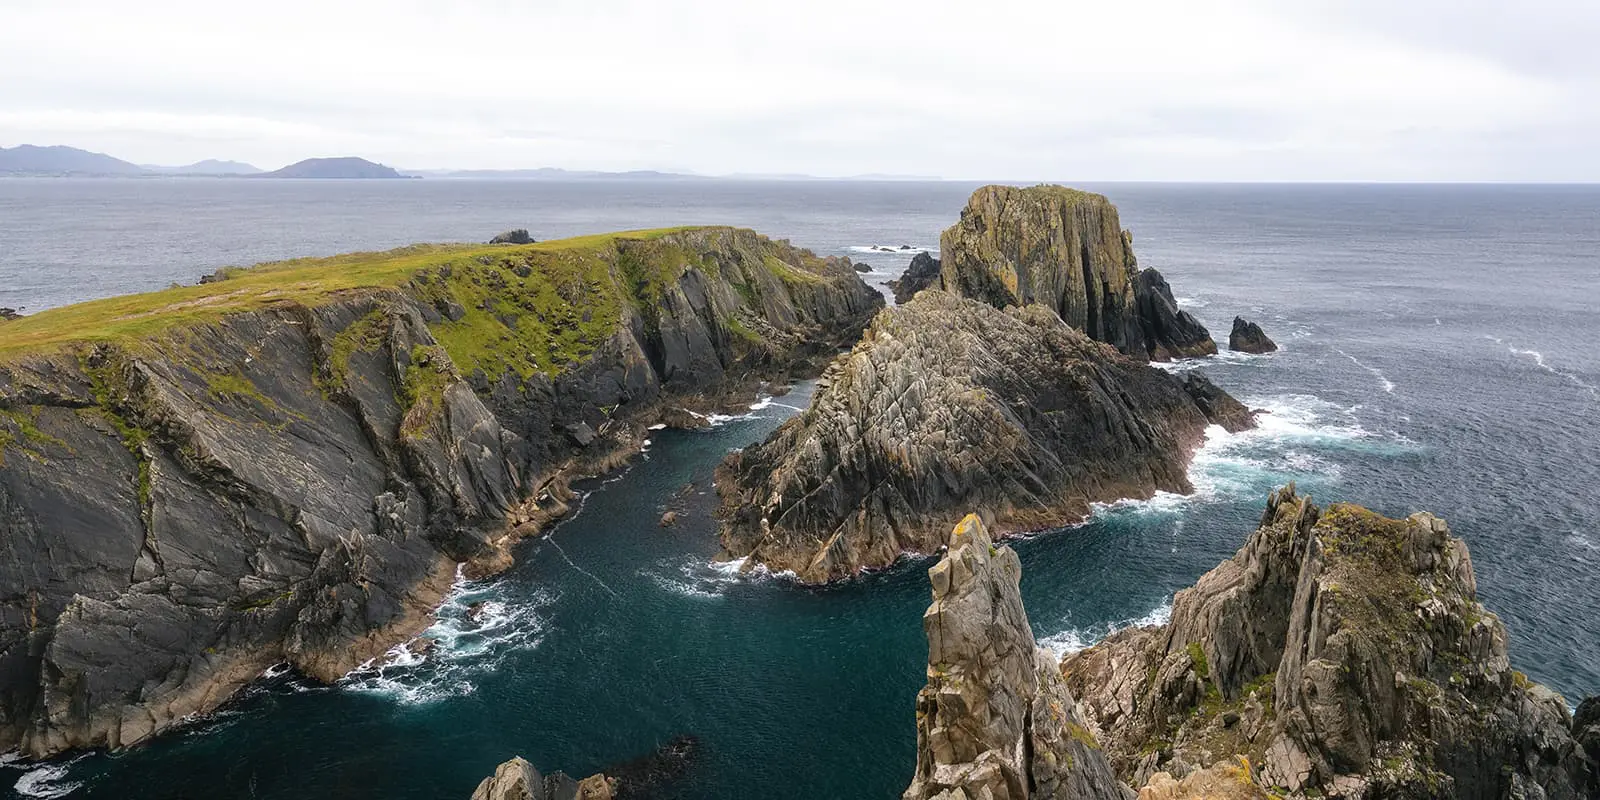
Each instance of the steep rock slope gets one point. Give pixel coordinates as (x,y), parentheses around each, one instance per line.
(996,720)
(1346,655)
(1065,249)
(288,464)
(949,404)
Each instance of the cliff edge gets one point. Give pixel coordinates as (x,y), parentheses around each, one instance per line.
(289,464)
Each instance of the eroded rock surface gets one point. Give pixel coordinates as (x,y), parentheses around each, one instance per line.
(297,482)
(1247,337)
(1343,653)
(1065,249)
(996,720)
(514,236)
(949,404)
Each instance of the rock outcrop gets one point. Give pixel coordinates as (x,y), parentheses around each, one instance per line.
(1167,332)
(289,466)
(1247,337)
(1344,654)
(1065,250)
(949,404)
(641,778)
(513,236)
(7,314)
(996,720)
(922,272)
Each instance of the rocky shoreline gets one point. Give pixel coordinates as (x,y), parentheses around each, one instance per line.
(353,446)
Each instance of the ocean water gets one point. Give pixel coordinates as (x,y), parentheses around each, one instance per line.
(1437,355)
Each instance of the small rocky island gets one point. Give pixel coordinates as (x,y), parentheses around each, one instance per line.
(348,167)
(1017,384)
(1247,337)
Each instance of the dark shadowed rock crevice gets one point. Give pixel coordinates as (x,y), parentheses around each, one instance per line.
(298,480)
(949,404)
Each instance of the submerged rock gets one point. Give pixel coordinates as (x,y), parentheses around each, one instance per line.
(515,236)
(1247,337)
(1065,249)
(949,404)
(1347,655)
(996,720)
(922,272)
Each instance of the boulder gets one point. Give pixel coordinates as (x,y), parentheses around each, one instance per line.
(1347,655)
(9,314)
(949,404)
(1247,337)
(922,272)
(996,720)
(515,236)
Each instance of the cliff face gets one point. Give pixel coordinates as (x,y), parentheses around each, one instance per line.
(1066,250)
(288,465)
(1345,655)
(996,719)
(948,404)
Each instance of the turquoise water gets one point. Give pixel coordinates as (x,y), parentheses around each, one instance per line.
(1436,356)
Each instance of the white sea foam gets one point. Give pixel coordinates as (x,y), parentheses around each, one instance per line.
(1072,640)
(1288,443)
(48,781)
(1388,385)
(1538,361)
(465,644)
(892,250)
(1192,302)
(9,758)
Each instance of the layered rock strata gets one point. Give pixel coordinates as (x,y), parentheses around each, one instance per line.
(1337,654)
(949,404)
(1247,337)
(1066,250)
(995,720)
(922,272)
(289,465)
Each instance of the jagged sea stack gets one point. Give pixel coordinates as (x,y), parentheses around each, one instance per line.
(949,404)
(922,272)
(996,720)
(1247,337)
(1065,249)
(1346,655)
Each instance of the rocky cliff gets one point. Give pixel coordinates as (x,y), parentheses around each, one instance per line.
(1337,654)
(1065,250)
(996,720)
(949,404)
(288,465)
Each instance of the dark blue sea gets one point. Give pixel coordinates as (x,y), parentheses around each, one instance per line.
(1439,353)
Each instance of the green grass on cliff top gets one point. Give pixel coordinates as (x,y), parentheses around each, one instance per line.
(309,281)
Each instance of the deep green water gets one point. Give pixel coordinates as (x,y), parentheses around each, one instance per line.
(1437,356)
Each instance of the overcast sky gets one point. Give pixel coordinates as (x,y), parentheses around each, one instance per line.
(1057,89)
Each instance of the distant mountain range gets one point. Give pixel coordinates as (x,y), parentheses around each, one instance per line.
(58,161)
(210,166)
(346,167)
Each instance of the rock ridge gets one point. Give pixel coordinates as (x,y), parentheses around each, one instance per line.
(296,476)
(949,404)
(1339,653)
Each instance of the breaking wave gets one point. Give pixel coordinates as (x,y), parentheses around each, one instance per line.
(1072,640)
(474,631)
(46,781)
